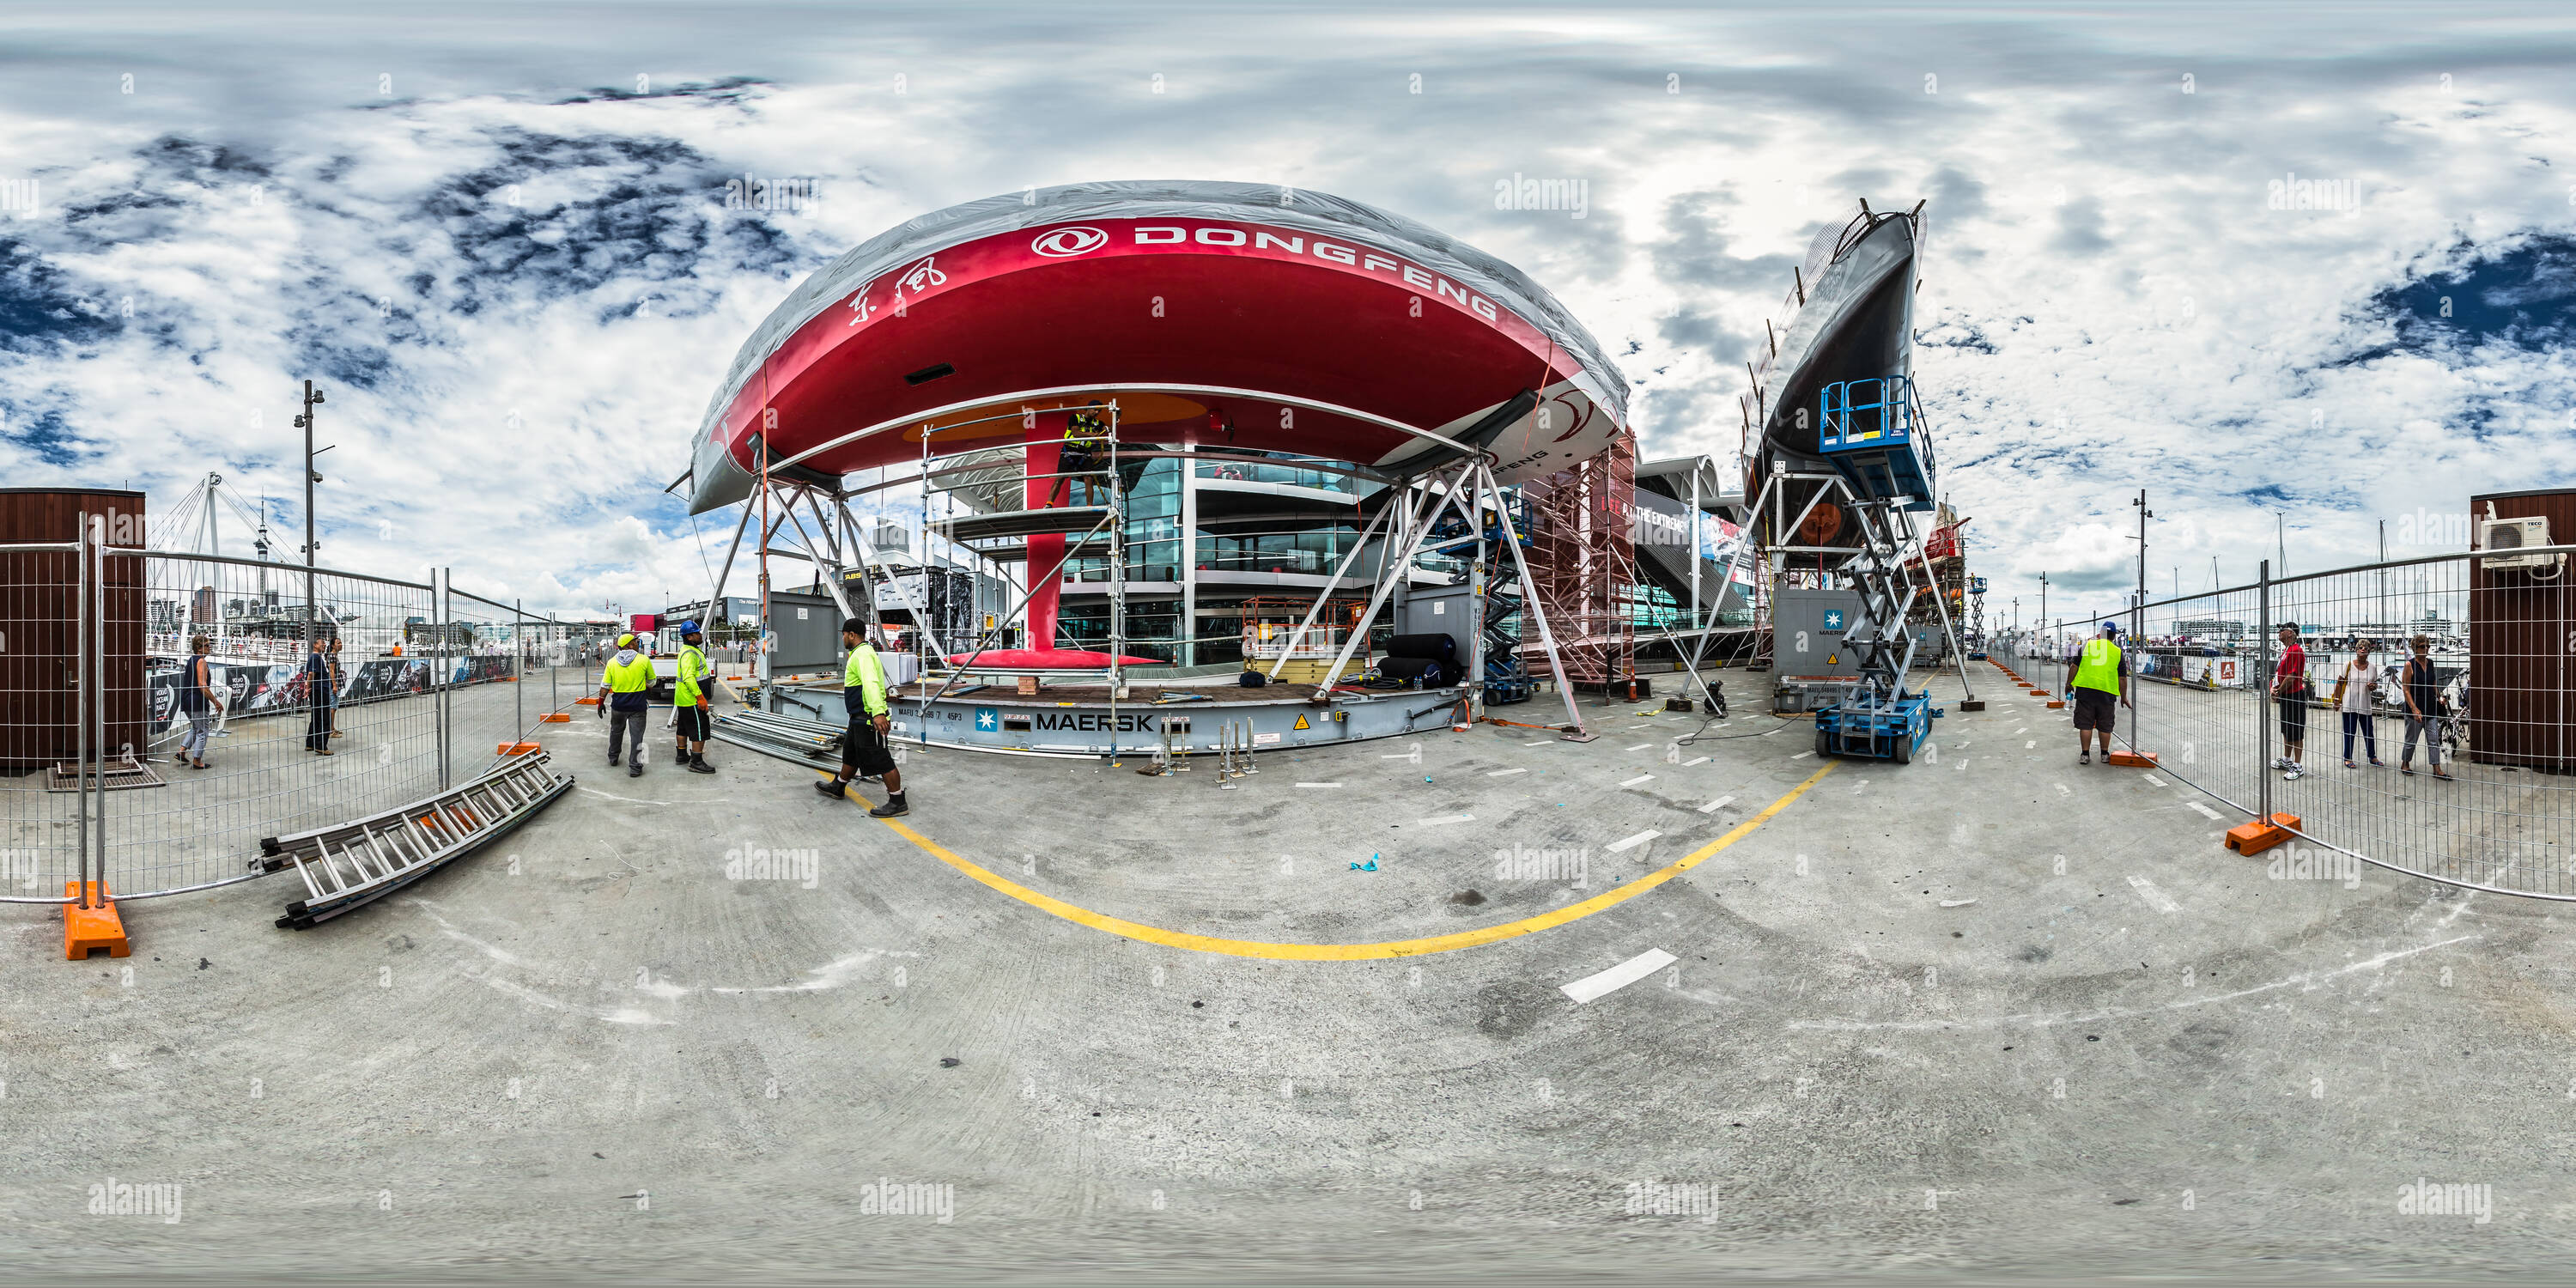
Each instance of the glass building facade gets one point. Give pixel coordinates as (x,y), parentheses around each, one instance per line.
(1203,536)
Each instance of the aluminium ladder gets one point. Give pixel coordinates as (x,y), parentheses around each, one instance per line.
(349,865)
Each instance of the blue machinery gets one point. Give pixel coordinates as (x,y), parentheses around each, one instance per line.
(1872,437)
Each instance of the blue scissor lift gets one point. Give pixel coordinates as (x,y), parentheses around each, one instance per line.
(1873,439)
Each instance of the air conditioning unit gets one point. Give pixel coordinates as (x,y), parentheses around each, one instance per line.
(2499,537)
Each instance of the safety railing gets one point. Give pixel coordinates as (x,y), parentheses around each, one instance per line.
(2424,724)
(124,670)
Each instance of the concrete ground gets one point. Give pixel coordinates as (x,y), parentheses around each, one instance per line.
(1989,1013)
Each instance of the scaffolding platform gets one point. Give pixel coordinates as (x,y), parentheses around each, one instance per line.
(1085,721)
(1020,523)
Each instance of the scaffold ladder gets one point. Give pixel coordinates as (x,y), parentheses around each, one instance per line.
(349,865)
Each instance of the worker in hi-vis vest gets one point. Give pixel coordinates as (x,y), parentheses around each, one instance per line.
(689,697)
(621,702)
(2101,675)
(863,746)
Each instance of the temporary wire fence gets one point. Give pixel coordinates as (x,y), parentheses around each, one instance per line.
(123,671)
(2418,715)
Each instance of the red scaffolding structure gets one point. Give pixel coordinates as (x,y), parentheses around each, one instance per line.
(1583,562)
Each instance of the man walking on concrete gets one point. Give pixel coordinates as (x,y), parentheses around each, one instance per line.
(2101,675)
(2290,686)
(621,692)
(690,697)
(863,747)
(318,698)
(2422,686)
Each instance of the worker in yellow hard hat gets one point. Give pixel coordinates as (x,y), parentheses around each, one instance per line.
(621,702)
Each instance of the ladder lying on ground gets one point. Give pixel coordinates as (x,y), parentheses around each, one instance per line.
(347,865)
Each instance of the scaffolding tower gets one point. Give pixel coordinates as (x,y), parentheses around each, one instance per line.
(1583,561)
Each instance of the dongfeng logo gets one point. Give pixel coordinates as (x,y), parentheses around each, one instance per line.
(1064,243)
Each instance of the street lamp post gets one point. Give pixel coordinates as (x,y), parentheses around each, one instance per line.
(312,399)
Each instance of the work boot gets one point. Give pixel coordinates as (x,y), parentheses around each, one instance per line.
(831,787)
(635,770)
(697,764)
(893,808)
(612,760)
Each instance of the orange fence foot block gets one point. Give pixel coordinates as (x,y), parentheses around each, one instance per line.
(517,749)
(2055,705)
(591,701)
(91,930)
(2133,759)
(2260,835)
(555,717)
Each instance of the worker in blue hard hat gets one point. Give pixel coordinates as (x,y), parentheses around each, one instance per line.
(621,702)
(689,696)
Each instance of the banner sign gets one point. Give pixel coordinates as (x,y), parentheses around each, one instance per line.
(273,688)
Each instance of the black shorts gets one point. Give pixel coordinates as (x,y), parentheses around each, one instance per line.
(692,723)
(2097,709)
(2294,720)
(863,750)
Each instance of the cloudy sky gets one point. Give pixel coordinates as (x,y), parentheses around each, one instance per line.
(496,233)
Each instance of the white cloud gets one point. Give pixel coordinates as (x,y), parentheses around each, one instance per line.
(2101,252)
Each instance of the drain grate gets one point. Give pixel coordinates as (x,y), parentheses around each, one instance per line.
(120,775)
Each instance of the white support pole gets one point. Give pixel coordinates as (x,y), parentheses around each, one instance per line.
(1530,605)
(832,583)
(716,596)
(1321,597)
(1696,517)
(1117,580)
(1399,567)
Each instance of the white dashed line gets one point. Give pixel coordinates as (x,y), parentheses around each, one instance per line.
(2153,779)
(1618,977)
(1540,743)
(1701,761)
(2061,789)
(1956,903)
(1802,755)
(1319,785)
(1621,847)
(1641,746)
(2027,744)
(2023,730)
(2156,899)
(2213,814)
(1641,778)
(1501,772)
(1716,805)
(1448,818)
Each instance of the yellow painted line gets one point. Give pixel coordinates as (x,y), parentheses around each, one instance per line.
(1356,952)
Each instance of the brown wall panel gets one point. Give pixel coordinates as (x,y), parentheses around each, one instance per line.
(2522,669)
(39,636)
